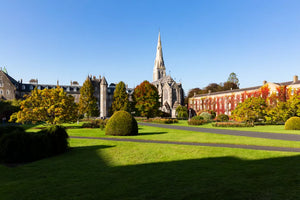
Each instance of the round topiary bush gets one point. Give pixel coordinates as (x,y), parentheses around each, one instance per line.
(292,123)
(121,123)
(206,116)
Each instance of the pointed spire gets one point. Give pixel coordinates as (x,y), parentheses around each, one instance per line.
(159,70)
(103,81)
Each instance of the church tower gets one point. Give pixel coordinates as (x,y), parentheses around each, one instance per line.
(159,70)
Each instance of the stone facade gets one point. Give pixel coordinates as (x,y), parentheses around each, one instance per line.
(225,101)
(171,93)
(11,89)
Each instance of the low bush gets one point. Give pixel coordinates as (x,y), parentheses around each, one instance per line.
(18,146)
(98,123)
(292,123)
(206,116)
(121,123)
(165,121)
(232,124)
(197,118)
(197,121)
(222,118)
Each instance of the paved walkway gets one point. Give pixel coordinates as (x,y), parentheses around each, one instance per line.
(253,147)
(275,136)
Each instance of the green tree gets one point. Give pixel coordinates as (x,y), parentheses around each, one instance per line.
(251,110)
(233,79)
(52,106)
(120,99)
(146,99)
(182,112)
(87,100)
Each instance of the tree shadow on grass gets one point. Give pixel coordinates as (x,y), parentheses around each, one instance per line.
(85,173)
(151,133)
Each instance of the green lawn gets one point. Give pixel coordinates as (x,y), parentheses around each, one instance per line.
(155,133)
(267,128)
(95,169)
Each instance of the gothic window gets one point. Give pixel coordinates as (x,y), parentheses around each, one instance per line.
(165,95)
(1,91)
(7,92)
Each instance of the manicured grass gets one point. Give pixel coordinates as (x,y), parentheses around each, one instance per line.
(95,169)
(267,128)
(155,133)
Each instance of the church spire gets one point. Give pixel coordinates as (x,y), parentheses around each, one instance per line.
(159,70)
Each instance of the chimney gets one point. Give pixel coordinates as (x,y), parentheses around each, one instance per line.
(295,79)
(21,81)
(57,82)
(209,91)
(264,82)
(194,93)
(71,82)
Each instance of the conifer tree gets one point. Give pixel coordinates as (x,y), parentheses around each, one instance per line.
(120,99)
(87,100)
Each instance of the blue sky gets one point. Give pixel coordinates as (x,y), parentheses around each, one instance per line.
(202,41)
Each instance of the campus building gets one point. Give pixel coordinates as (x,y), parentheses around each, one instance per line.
(11,89)
(225,101)
(171,93)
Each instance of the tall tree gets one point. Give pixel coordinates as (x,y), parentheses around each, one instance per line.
(87,100)
(120,99)
(147,99)
(53,106)
(233,79)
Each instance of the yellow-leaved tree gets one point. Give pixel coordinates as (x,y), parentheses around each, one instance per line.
(53,106)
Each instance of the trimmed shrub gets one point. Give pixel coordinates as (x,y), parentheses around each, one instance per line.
(98,123)
(222,118)
(197,121)
(206,116)
(232,124)
(164,121)
(197,118)
(19,146)
(292,123)
(121,123)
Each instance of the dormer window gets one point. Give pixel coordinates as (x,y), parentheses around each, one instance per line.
(75,89)
(23,87)
(68,89)
(31,87)
(39,87)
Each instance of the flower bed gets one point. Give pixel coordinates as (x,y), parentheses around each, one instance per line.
(232,124)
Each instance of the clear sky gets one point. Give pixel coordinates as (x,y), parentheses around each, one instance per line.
(202,41)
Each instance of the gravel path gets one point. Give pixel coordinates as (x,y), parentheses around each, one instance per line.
(275,136)
(253,147)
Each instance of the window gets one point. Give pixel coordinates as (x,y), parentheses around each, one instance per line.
(292,92)
(7,92)
(1,83)
(31,87)
(68,89)
(23,87)
(75,89)
(39,87)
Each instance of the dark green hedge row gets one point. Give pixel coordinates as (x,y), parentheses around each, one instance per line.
(17,146)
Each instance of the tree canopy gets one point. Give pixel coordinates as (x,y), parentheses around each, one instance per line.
(87,100)
(120,99)
(52,106)
(146,99)
(233,79)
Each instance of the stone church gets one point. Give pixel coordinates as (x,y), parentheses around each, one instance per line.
(171,93)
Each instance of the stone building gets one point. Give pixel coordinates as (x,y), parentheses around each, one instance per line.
(12,89)
(171,93)
(225,101)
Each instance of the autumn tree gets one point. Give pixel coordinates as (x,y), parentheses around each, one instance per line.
(52,106)
(146,99)
(87,100)
(251,110)
(120,99)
